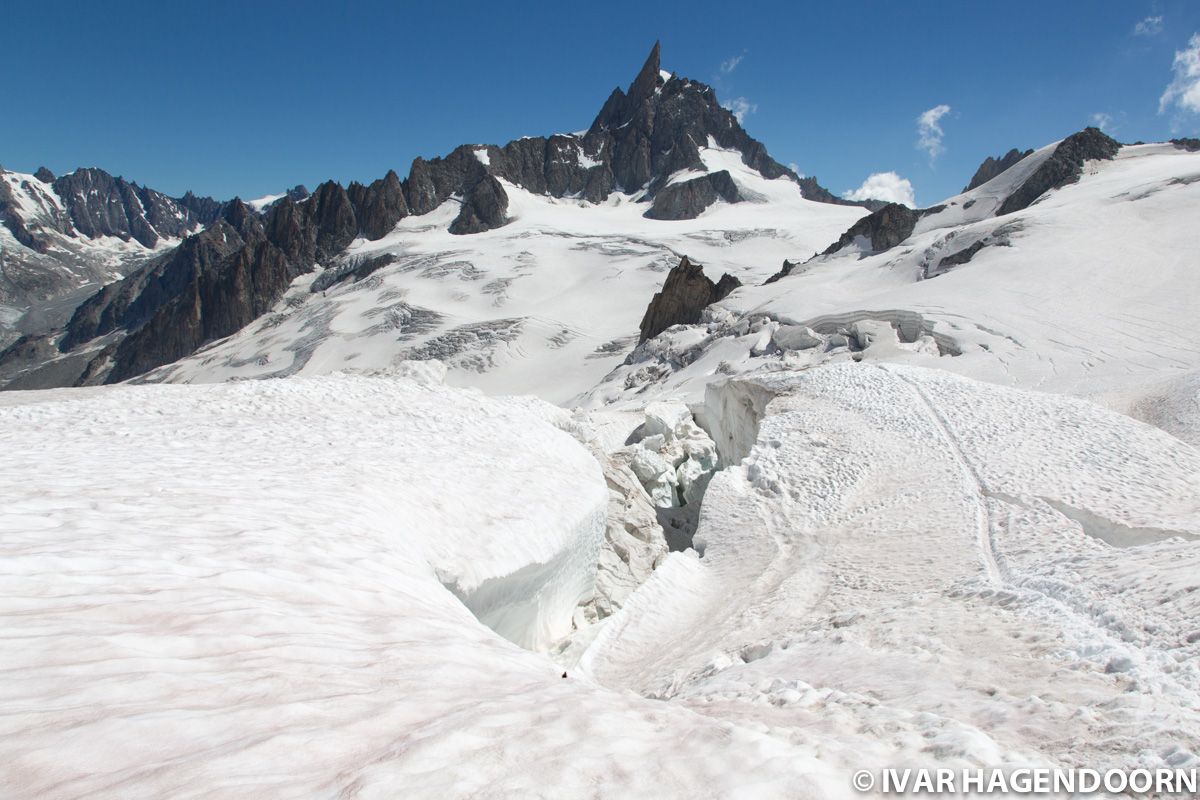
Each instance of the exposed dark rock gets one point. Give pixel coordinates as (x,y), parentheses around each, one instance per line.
(101,205)
(484,208)
(218,280)
(353,271)
(885,228)
(1063,167)
(688,199)
(639,139)
(44,175)
(10,217)
(725,285)
(378,207)
(999,237)
(212,285)
(961,257)
(298,192)
(784,271)
(991,167)
(811,190)
(684,295)
(331,220)
(1191,145)
(204,210)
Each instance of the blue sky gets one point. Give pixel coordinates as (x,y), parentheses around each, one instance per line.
(249,98)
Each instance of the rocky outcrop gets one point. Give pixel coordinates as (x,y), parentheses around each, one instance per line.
(684,295)
(44,175)
(991,167)
(1191,145)
(484,208)
(378,207)
(1063,167)
(787,269)
(884,229)
(688,199)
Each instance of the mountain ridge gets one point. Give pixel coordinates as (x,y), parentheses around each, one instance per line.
(640,141)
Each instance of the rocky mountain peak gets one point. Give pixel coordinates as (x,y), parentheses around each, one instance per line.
(1063,167)
(639,139)
(991,167)
(650,77)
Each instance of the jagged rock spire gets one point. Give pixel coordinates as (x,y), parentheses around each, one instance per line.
(647,80)
(685,294)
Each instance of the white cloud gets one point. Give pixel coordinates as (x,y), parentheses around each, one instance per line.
(1102,121)
(741,107)
(730,64)
(794,167)
(929,131)
(1184,89)
(1150,26)
(886,186)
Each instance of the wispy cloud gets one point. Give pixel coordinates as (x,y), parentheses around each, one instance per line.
(1150,26)
(741,107)
(1183,91)
(794,167)
(929,131)
(730,64)
(886,186)
(1102,121)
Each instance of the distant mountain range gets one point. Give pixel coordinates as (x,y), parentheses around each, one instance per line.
(102,280)
(229,260)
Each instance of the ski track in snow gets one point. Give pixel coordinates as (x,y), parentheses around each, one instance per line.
(983,522)
(844,604)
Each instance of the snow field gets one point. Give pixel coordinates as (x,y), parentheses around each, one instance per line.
(1089,292)
(547,304)
(913,568)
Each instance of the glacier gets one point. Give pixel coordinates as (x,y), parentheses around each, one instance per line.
(932,505)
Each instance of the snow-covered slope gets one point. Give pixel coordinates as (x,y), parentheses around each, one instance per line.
(267,588)
(266,574)
(914,568)
(547,304)
(1092,289)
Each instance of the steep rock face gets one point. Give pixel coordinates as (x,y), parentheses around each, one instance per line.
(685,293)
(688,199)
(204,210)
(101,205)
(483,209)
(991,167)
(17,197)
(1064,166)
(91,203)
(51,260)
(379,206)
(885,228)
(212,285)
